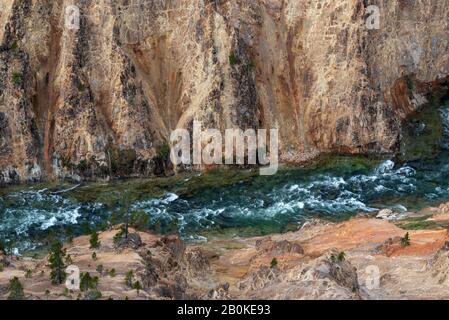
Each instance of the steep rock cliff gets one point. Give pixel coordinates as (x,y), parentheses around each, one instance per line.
(103,98)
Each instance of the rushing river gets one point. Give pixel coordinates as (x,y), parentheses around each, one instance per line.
(233,202)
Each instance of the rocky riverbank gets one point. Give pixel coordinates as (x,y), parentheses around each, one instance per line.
(363,258)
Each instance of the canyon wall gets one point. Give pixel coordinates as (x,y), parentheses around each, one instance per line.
(102,99)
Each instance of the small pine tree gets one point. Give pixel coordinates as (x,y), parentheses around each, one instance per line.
(29,274)
(94,242)
(68,260)
(57,264)
(15,290)
(137,286)
(100,269)
(274,263)
(87,282)
(112,272)
(341,256)
(405,242)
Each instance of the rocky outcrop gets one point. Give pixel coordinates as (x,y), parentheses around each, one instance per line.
(328,278)
(102,100)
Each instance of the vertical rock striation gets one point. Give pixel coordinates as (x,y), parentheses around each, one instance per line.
(103,99)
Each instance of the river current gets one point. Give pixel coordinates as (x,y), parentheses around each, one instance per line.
(239,203)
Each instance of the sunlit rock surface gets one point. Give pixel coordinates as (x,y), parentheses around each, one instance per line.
(103,99)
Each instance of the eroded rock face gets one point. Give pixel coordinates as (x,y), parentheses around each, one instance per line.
(103,99)
(327,277)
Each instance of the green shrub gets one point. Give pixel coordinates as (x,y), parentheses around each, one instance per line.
(405,241)
(163,152)
(15,290)
(341,256)
(100,269)
(233,60)
(17,78)
(87,282)
(139,220)
(112,272)
(119,235)
(137,286)
(14,46)
(93,295)
(273,263)
(29,274)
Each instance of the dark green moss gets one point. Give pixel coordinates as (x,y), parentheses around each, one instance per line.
(233,60)
(422,133)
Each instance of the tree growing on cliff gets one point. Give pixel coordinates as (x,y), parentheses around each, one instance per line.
(57,264)
(15,289)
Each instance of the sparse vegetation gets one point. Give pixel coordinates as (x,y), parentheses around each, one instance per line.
(15,290)
(93,295)
(29,274)
(94,256)
(112,273)
(129,278)
(87,282)
(120,161)
(57,263)
(405,241)
(125,214)
(14,46)
(233,60)
(94,242)
(341,256)
(17,78)
(100,269)
(163,152)
(274,263)
(139,220)
(137,286)
(251,64)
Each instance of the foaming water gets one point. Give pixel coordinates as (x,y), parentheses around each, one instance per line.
(250,206)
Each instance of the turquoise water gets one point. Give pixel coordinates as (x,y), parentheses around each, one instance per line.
(231,202)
